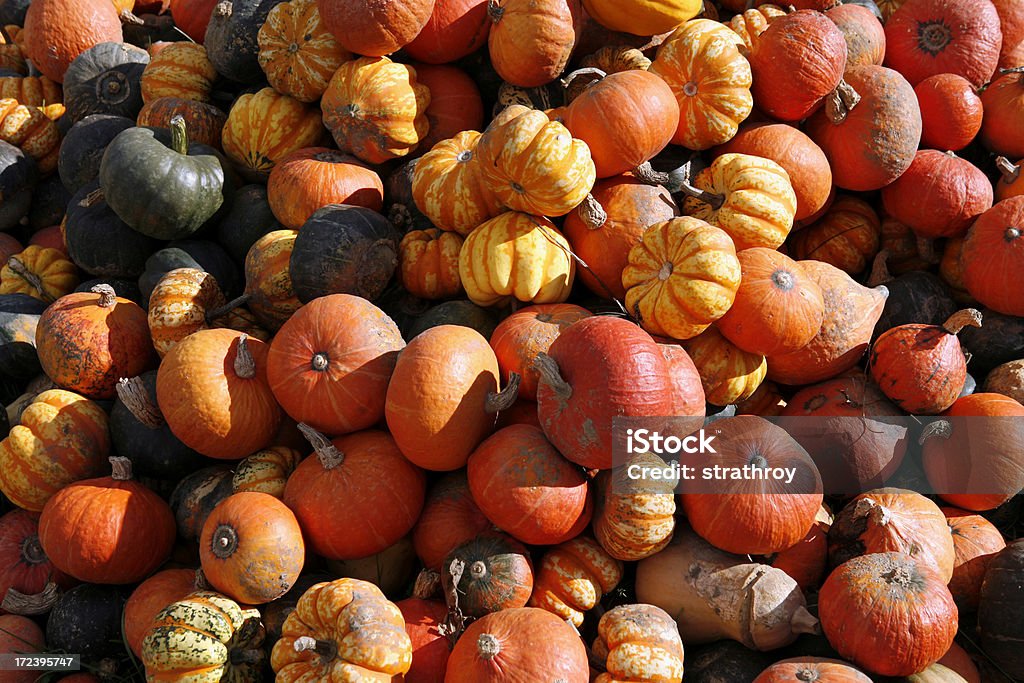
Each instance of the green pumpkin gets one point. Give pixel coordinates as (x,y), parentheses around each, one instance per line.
(99,242)
(205,638)
(18,176)
(19,315)
(161,185)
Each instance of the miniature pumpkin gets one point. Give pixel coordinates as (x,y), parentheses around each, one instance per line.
(182,303)
(377,30)
(454,30)
(309,179)
(530,43)
(728,373)
(811,669)
(41,272)
(975,542)
(993,256)
(951,111)
(487,574)
(57,31)
(573,577)
(297,52)
(26,568)
(150,598)
(264,127)
(450,518)
(848,236)
(428,263)
(751,23)
(205,122)
(376,109)
(29,128)
(1001,100)
(638,642)
(30,90)
(181,70)
(633,520)
(681,277)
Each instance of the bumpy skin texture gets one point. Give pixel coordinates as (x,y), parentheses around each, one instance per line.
(865,37)
(60,30)
(376,27)
(638,643)
(28,128)
(530,42)
(297,52)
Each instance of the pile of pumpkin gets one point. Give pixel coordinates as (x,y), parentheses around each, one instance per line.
(317,314)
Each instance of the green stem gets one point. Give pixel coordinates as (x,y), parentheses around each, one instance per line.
(179,134)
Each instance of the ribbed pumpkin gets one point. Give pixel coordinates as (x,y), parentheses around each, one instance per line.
(1001,101)
(13,59)
(487,574)
(1009,183)
(206,636)
(975,541)
(330,363)
(727,373)
(778,308)
(454,30)
(530,42)
(625,118)
(61,435)
(375,30)
(309,179)
(951,111)
(811,669)
(535,165)
(26,569)
(633,520)
(376,109)
(180,70)
(264,127)
(871,141)
(751,23)
(383,492)
(150,598)
(450,518)
(213,392)
(448,185)
(993,256)
(579,398)
(57,31)
(516,256)
(297,52)
(949,193)
(573,577)
(681,277)
(428,263)
(41,272)
(710,79)
(109,530)
(205,122)
(871,605)
(749,197)
(638,642)
(796,63)
(29,128)
(848,236)
(31,91)
(182,303)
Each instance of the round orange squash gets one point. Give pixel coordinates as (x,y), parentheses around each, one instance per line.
(57,31)
(450,518)
(308,179)
(951,112)
(1000,129)
(378,29)
(975,541)
(848,236)
(455,103)
(993,256)
(150,598)
(531,40)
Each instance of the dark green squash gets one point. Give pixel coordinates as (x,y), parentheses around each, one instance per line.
(195,496)
(464,313)
(248,219)
(916,297)
(1000,609)
(725,662)
(19,315)
(401,207)
(49,203)
(870,4)
(402,307)
(231,38)
(161,185)
(13,12)
(999,340)
(99,242)
(105,79)
(344,249)
(152,28)
(82,149)
(212,258)
(18,177)
(158,265)
(126,289)
(139,433)
(86,620)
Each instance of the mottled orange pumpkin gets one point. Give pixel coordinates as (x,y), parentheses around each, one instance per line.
(30,129)
(180,70)
(728,373)
(632,522)
(428,263)
(297,52)
(639,643)
(268,282)
(31,91)
(264,127)
(311,178)
(57,31)
(180,304)
(865,37)
(993,257)
(378,29)
(43,273)
(205,122)
(573,577)
(531,40)
(848,236)
(751,23)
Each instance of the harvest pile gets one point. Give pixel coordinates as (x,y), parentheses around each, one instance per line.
(316,315)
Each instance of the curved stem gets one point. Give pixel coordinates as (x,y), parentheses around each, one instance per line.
(645,173)
(245,364)
(550,374)
(329,455)
(714,200)
(324,648)
(968,317)
(592,213)
(1009,170)
(108,297)
(23,604)
(495,11)
(179,134)
(129,18)
(940,429)
(503,400)
(228,307)
(583,71)
(132,393)
(880,269)
(840,102)
(428,583)
(121,468)
(93,198)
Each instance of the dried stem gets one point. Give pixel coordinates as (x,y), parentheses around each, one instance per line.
(645,173)
(503,400)
(592,213)
(132,393)
(714,200)
(968,317)
(324,648)
(550,374)
(245,364)
(428,584)
(840,102)
(108,297)
(20,603)
(1009,170)
(227,308)
(584,71)
(330,456)
(121,468)
(19,268)
(940,429)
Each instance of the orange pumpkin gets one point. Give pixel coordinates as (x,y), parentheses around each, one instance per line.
(182,303)
(30,129)
(975,541)
(205,122)
(268,282)
(262,128)
(150,598)
(450,518)
(31,91)
(27,570)
(848,236)
(57,31)
(455,103)
(1009,183)
(428,263)
(456,29)
(180,70)
(1001,101)
(951,112)
(865,37)
(378,29)
(993,257)
(728,373)
(811,669)
(573,577)
(297,52)
(751,23)
(531,41)
(311,178)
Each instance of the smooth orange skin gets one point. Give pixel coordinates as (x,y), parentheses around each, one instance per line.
(455,103)
(20,635)
(951,112)
(450,517)
(310,178)
(151,596)
(993,257)
(975,541)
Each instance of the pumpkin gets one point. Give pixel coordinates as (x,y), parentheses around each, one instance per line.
(640,642)
(98,241)
(534,165)
(150,598)
(213,392)
(376,109)
(204,634)
(1000,100)
(107,530)
(232,38)
(80,154)
(428,263)
(975,542)
(453,31)
(641,17)
(681,277)
(19,176)
(530,43)
(487,574)
(967,455)
(806,561)
(205,122)
(105,79)
(728,374)
(922,368)
(957,660)
(812,668)
(181,70)
(265,126)
(113,331)
(796,63)
(749,197)
(13,59)
(41,272)
(526,644)
(886,115)
(950,193)
(343,249)
(57,31)
(992,256)
(448,186)
(29,128)
(633,520)
(184,301)
(247,219)
(871,605)
(30,90)
(365,468)
(573,577)
(711,82)
(1008,184)
(297,52)
(345,625)
(688,409)
(893,520)
(430,649)
(778,309)
(455,103)
(848,236)
(516,256)
(751,23)
(951,111)
(1006,379)
(311,178)
(928,37)
(330,363)
(851,311)
(458,312)
(20,636)
(865,37)
(161,184)
(450,518)
(27,569)
(1000,593)
(625,118)
(378,30)
(192,16)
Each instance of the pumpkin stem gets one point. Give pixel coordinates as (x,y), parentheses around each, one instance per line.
(108,297)
(128,17)
(400,216)
(961,319)
(1012,70)
(488,646)
(926,250)
(840,102)
(330,456)
(503,400)
(1009,170)
(132,393)
(584,71)
(325,648)
(223,9)
(200,582)
(121,468)
(878,514)
(26,605)
(245,364)
(19,268)
(224,541)
(804,622)
(495,11)
(93,198)
(880,269)
(477,570)
(321,361)
(221,311)
(428,583)
(32,551)
(715,200)
(645,173)
(592,213)
(1012,234)
(179,133)
(941,429)
(550,374)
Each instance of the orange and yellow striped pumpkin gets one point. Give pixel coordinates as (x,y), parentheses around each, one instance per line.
(640,643)
(12,59)
(265,126)
(31,91)
(179,306)
(752,22)
(41,272)
(573,577)
(30,129)
(297,52)
(728,373)
(179,70)
(268,280)
(428,263)
(266,471)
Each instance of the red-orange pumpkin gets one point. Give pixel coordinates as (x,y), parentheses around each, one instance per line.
(192,16)
(20,636)
(865,37)
(1000,127)
(24,567)
(57,31)
(951,111)
(455,103)
(688,404)
(1011,24)
(806,561)
(151,596)
(456,28)
(975,541)
(377,29)
(430,648)
(847,236)
(993,257)
(531,40)
(816,669)
(450,518)
(311,178)
(489,573)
